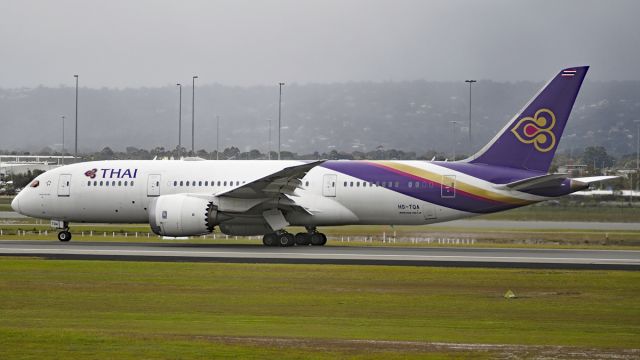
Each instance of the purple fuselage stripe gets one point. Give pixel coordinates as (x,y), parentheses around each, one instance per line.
(427,190)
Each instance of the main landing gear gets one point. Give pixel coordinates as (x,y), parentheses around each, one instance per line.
(285,239)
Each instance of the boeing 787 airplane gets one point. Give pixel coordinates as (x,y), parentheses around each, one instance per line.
(192,196)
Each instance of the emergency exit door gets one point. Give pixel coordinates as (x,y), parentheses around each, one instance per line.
(448,188)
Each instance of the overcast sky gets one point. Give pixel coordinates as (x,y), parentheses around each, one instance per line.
(133,43)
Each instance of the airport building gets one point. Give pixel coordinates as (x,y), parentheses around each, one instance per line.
(20,164)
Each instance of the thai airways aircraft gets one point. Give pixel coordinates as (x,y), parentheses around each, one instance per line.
(192,196)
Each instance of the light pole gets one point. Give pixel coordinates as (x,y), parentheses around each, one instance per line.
(453,135)
(62,139)
(637,153)
(193,113)
(279,118)
(269,144)
(75,152)
(217,137)
(470,82)
(637,145)
(179,120)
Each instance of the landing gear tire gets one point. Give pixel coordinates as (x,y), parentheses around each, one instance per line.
(64,236)
(286,239)
(318,239)
(303,239)
(270,240)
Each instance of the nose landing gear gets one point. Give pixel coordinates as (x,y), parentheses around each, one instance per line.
(64,235)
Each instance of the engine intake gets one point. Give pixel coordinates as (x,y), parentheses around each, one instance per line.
(182,215)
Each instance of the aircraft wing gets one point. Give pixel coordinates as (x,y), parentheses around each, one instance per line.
(282,182)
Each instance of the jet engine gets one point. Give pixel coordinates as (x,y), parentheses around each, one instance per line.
(182,215)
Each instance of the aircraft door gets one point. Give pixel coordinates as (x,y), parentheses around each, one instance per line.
(153,185)
(429,212)
(329,185)
(448,188)
(64,185)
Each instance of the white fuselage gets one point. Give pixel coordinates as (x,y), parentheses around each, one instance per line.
(120,191)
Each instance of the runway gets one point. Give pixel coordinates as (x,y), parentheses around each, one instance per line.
(459,257)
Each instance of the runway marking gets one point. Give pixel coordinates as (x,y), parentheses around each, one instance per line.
(249,254)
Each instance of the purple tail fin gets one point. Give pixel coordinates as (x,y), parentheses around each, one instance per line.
(530,139)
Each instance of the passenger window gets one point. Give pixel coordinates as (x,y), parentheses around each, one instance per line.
(410,184)
(225,183)
(88,183)
(106,183)
(306,183)
(218,182)
(345,184)
(397,184)
(119,183)
(351,184)
(181,183)
(206,183)
(95,183)
(125,183)
(237,183)
(113,183)
(175,183)
(384,184)
(187,184)
(101,183)
(199,183)
(358,183)
(132,183)
(333,184)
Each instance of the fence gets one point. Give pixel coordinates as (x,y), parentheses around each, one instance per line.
(378,238)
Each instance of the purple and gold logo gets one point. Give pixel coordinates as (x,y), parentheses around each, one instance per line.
(112,173)
(91,173)
(537,130)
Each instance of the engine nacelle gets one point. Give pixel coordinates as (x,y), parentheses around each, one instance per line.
(181,215)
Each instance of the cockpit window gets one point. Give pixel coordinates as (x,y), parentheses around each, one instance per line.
(35,184)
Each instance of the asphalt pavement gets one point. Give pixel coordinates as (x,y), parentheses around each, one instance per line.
(398,256)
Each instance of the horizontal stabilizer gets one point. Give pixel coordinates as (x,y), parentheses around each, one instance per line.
(594,179)
(536,182)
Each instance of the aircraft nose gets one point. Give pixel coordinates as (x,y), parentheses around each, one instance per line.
(15,204)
